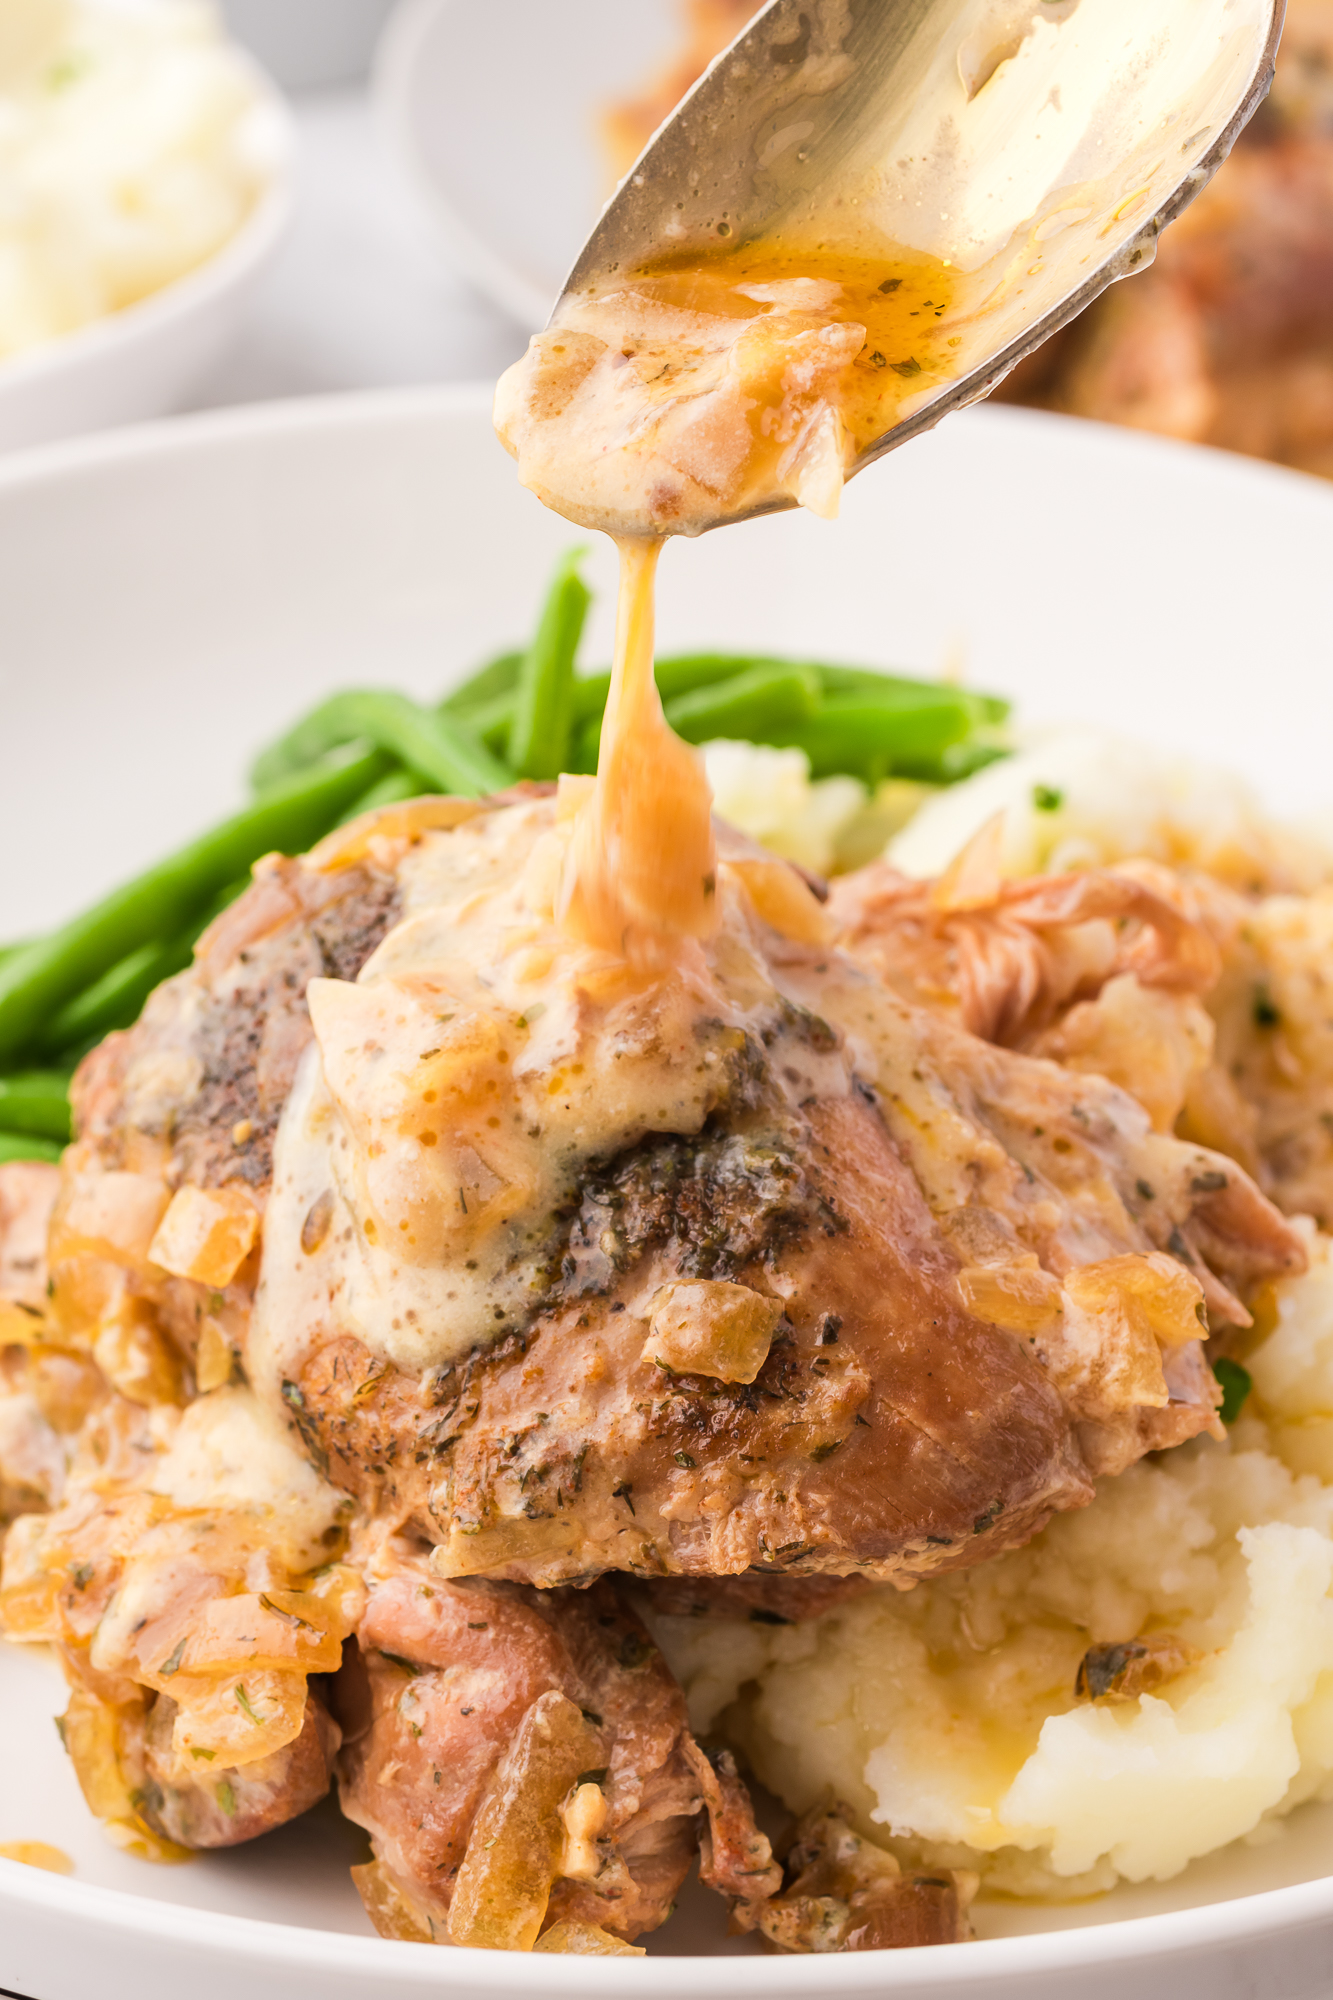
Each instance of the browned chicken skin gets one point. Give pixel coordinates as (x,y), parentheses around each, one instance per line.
(198,1084)
(565,1453)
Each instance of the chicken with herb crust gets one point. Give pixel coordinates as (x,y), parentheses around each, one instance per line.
(739,1270)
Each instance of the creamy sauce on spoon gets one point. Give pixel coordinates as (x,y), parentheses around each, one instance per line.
(694,393)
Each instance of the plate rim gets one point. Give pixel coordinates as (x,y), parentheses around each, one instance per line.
(178,434)
(134,1918)
(1125,1942)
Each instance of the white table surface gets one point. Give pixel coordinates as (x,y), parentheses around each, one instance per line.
(362,294)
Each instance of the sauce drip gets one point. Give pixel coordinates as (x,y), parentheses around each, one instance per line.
(697,391)
(641,873)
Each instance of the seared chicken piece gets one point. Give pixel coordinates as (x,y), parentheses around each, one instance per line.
(479,1713)
(783,1273)
(878,1299)
(1208,1004)
(842,1893)
(1104,971)
(1007,959)
(154,1243)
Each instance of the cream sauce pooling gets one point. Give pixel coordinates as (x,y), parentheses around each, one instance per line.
(487,1053)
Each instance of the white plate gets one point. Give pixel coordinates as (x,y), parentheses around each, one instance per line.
(169,598)
(493,110)
(144,361)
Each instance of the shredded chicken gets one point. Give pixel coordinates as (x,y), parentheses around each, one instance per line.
(447,1680)
(842,1893)
(1206,1001)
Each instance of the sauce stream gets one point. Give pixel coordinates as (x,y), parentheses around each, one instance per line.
(642,870)
(695,392)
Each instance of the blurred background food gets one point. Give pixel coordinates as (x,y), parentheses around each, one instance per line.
(133,150)
(133,146)
(710,25)
(1228,339)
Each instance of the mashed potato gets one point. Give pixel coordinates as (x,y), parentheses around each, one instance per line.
(1080,798)
(132,147)
(947,1718)
(827,824)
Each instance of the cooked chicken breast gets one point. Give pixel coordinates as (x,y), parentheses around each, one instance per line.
(572,1266)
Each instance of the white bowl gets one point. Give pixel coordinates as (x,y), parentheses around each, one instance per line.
(493,112)
(144,361)
(309,44)
(169,598)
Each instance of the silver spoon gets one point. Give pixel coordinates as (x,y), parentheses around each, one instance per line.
(1036,146)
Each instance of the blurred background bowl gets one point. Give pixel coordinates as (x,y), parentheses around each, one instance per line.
(494,111)
(309,44)
(145,360)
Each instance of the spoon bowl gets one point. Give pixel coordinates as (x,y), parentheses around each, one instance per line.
(1033,148)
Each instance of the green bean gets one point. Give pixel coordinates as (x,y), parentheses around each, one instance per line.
(492,721)
(117,999)
(37,981)
(21,1146)
(752,707)
(682,673)
(440,747)
(36,1103)
(386,791)
(499,676)
(543,712)
(677,674)
(868,681)
(587,747)
(872,739)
